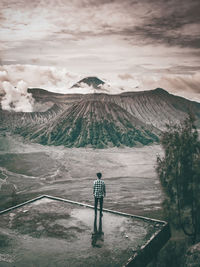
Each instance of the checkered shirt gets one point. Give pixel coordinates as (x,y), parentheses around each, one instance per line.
(99,188)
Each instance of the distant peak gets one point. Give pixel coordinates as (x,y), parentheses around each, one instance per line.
(93,79)
(160,90)
(90,81)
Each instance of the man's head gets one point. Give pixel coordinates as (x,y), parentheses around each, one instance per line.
(99,175)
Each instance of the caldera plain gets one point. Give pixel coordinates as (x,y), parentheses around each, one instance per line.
(131,181)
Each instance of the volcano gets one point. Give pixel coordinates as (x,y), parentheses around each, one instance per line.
(94,123)
(99,120)
(94,82)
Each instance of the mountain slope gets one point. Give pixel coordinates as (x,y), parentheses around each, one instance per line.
(15,121)
(94,123)
(99,120)
(154,107)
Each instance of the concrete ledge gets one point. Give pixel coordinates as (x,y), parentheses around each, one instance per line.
(149,251)
(142,254)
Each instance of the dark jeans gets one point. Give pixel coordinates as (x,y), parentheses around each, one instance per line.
(96,200)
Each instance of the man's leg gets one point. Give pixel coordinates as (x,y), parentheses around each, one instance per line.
(95,224)
(95,206)
(101,206)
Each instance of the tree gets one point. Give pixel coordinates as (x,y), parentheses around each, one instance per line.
(179,173)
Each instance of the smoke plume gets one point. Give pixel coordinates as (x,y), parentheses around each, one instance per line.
(17,98)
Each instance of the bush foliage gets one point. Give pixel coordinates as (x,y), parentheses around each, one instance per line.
(179,173)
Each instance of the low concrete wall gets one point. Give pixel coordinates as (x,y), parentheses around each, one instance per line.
(149,251)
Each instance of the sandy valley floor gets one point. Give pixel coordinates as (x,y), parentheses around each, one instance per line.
(129,173)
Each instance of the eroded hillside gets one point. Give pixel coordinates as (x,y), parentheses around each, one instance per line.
(98,120)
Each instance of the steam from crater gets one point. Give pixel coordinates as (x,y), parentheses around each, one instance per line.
(17,98)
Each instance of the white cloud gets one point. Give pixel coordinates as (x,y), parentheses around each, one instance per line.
(49,78)
(17,98)
(185,85)
(60,80)
(92,35)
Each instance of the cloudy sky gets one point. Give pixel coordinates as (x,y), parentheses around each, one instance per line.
(131,44)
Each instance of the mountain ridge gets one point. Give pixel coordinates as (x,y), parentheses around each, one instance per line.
(94,123)
(127,119)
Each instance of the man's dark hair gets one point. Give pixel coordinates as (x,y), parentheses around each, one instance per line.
(99,175)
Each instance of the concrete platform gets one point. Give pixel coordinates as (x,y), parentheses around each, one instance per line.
(50,231)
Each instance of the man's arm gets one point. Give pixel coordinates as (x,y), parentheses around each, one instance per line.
(93,188)
(104,190)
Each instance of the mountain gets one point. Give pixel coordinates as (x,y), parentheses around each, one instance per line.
(95,82)
(93,123)
(99,120)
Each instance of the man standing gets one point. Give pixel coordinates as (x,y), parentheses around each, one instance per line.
(99,192)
